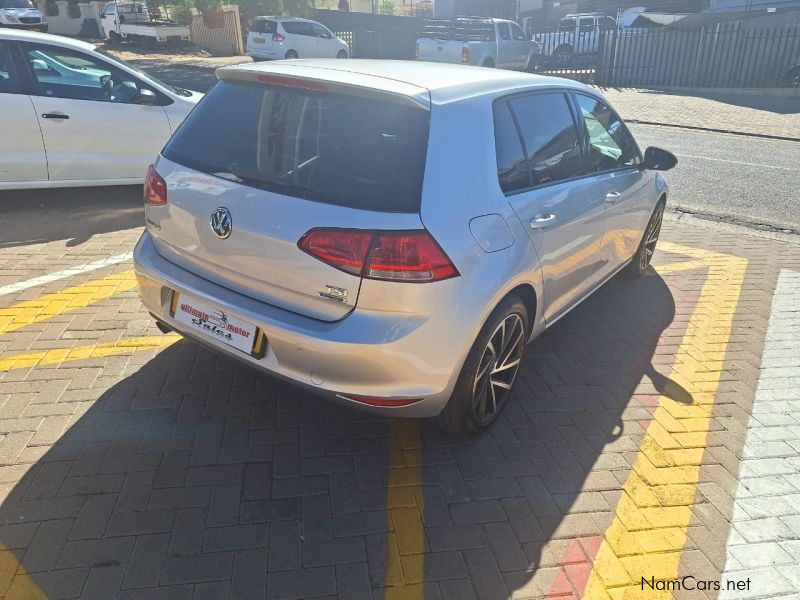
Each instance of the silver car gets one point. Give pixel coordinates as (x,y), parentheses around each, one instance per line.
(393,234)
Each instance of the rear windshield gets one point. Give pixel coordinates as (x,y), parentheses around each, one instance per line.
(460,30)
(264,26)
(328,147)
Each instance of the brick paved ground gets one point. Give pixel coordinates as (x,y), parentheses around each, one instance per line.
(762,115)
(134,465)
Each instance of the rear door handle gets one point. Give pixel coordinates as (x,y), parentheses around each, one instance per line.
(542,221)
(612,197)
(55,116)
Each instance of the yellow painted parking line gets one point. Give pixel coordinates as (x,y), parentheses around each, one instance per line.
(405,541)
(649,530)
(79,296)
(15,583)
(680,266)
(60,355)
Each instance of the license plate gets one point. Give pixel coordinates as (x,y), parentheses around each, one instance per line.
(258,40)
(209,321)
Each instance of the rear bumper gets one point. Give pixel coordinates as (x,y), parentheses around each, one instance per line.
(368,353)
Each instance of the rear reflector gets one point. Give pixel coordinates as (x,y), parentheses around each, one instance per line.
(155,188)
(387,402)
(306,84)
(408,256)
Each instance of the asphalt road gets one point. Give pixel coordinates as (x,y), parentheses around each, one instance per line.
(731,177)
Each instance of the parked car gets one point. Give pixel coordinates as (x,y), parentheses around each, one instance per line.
(289,37)
(133,21)
(577,35)
(72,115)
(484,42)
(312,248)
(22,14)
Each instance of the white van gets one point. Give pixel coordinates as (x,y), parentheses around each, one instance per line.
(22,14)
(289,37)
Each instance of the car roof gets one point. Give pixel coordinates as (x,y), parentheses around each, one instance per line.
(441,82)
(271,18)
(34,36)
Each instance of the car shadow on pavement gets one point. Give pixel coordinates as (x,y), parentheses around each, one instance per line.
(73,214)
(189,473)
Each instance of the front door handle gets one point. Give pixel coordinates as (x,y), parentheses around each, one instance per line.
(542,221)
(55,116)
(612,197)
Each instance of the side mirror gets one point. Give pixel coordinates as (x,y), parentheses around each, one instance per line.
(39,65)
(658,159)
(147,97)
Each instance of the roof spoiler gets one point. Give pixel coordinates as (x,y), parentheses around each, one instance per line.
(398,92)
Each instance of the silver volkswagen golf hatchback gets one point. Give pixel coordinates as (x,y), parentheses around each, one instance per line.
(393,234)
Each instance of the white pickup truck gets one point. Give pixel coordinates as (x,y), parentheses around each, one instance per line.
(132,21)
(483,42)
(577,35)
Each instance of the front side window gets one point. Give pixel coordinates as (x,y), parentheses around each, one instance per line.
(608,24)
(517,33)
(109,10)
(7,81)
(322,32)
(549,137)
(504,31)
(611,146)
(329,147)
(62,73)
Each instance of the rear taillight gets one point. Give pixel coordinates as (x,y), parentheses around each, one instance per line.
(278,37)
(465,55)
(410,256)
(155,188)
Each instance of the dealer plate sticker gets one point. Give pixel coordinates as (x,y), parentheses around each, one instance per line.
(214,323)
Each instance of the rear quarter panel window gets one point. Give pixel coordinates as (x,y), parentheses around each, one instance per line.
(512,170)
(328,147)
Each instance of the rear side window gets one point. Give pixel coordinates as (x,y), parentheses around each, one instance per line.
(328,147)
(548,138)
(264,26)
(504,31)
(299,28)
(7,85)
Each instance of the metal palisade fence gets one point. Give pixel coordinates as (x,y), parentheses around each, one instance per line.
(723,55)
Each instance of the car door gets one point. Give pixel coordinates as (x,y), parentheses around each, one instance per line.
(326,47)
(303,40)
(542,171)
(108,19)
(91,118)
(22,156)
(505,47)
(614,158)
(521,46)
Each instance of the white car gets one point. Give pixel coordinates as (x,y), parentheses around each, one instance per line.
(289,37)
(72,115)
(22,14)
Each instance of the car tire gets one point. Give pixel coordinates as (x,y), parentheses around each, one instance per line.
(477,401)
(488,63)
(114,38)
(342,54)
(291,55)
(647,246)
(794,77)
(562,57)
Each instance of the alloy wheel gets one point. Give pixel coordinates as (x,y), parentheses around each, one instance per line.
(498,368)
(651,238)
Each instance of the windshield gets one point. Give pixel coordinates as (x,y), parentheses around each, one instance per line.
(566,25)
(176,90)
(329,147)
(16,4)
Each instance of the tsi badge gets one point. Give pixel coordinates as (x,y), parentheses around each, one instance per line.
(221,222)
(334,293)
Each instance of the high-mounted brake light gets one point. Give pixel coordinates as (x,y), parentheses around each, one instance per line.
(155,188)
(278,37)
(465,55)
(407,256)
(306,84)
